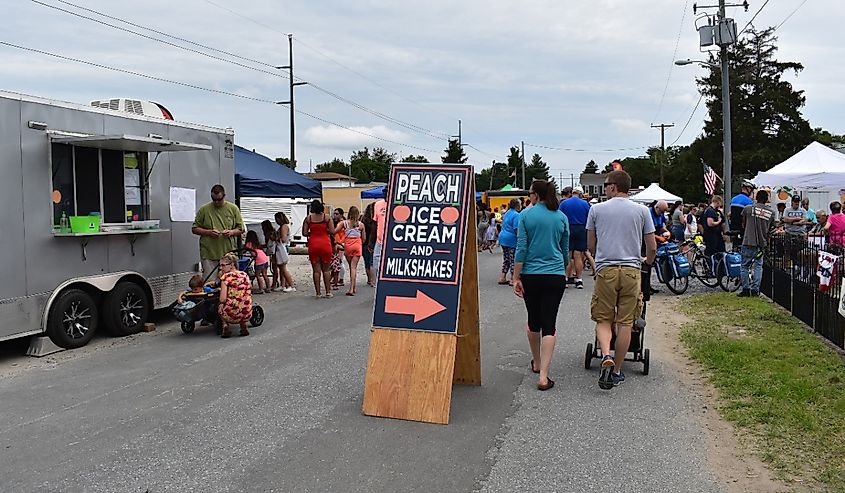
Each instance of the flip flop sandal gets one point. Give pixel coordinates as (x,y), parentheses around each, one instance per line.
(532,367)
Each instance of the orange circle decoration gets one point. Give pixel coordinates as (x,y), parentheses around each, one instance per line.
(401,213)
(783,194)
(57,197)
(449,215)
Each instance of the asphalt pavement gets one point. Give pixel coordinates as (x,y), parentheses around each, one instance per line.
(281,411)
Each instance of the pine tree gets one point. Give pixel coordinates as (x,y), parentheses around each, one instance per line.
(454,153)
(591,167)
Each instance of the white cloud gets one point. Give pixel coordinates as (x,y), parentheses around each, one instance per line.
(629,124)
(342,138)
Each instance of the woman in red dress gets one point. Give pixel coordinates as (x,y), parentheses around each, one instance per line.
(319,228)
(235,295)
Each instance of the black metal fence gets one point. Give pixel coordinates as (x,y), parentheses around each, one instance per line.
(790,279)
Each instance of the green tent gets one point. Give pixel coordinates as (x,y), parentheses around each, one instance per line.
(506,188)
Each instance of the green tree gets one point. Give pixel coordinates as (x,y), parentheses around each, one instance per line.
(766,122)
(336,165)
(493,178)
(369,166)
(591,167)
(537,169)
(286,162)
(414,159)
(454,153)
(831,140)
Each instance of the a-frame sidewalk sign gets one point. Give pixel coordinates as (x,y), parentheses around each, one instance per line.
(425,333)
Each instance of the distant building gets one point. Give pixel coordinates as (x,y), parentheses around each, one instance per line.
(333,180)
(593,184)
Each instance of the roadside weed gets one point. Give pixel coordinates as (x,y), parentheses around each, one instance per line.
(776,382)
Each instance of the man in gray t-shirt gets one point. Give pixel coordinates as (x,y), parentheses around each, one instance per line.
(795,218)
(758,220)
(616,231)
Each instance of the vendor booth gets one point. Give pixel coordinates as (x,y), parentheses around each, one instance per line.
(817,171)
(264,187)
(652,193)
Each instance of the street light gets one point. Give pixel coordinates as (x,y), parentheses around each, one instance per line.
(726,118)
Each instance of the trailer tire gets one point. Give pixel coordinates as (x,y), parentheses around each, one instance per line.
(72,320)
(126,309)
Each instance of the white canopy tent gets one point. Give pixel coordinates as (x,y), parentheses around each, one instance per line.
(814,167)
(654,192)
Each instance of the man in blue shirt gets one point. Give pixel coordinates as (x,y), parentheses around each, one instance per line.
(738,203)
(576,210)
(658,217)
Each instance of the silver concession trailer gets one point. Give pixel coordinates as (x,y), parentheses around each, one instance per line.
(129,184)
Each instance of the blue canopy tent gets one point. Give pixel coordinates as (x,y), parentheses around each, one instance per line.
(373,193)
(260,176)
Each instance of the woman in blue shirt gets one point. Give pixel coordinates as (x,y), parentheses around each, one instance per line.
(539,276)
(507,239)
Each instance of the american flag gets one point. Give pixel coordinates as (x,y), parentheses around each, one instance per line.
(710,179)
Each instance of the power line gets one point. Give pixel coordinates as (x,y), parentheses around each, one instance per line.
(153,38)
(216,91)
(137,74)
(383,116)
(672,65)
(325,55)
(586,150)
(790,15)
(688,121)
(753,17)
(200,45)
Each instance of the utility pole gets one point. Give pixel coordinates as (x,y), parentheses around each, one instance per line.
(660,163)
(726,103)
(523,165)
(293,84)
(724,34)
(492,167)
(572,180)
(460,144)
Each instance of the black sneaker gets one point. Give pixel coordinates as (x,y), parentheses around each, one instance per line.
(570,280)
(579,284)
(744,293)
(754,294)
(618,378)
(606,375)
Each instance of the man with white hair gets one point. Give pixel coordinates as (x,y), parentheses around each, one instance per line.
(658,217)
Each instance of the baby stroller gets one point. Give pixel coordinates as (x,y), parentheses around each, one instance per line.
(638,353)
(202,307)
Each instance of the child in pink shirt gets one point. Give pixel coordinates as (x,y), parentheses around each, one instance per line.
(262,261)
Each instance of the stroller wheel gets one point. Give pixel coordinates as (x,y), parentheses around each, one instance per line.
(257,316)
(588,356)
(187,327)
(645,361)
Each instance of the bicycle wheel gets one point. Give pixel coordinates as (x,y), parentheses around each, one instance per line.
(700,268)
(678,285)
(726,282)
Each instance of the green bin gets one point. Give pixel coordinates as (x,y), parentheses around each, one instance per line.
(84,224)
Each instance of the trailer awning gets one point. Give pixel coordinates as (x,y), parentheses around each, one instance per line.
(129,143)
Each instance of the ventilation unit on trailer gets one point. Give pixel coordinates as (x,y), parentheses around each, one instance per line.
(135,106)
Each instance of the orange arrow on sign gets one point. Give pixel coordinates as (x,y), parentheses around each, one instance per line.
(421,306)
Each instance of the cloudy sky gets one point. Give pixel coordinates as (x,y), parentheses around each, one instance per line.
(589,75)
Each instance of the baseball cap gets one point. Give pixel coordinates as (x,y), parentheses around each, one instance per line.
(566,190)
(577,190)
(796,198)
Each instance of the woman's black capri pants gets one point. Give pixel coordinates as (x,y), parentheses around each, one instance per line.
(542,295)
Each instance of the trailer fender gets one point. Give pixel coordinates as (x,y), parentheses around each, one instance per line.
(102,283)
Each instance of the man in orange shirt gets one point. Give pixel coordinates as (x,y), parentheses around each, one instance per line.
(380,214)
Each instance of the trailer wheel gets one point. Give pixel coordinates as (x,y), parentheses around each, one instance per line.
(646,361)
(188,327)
(72,320)
(588,356)
(126,309)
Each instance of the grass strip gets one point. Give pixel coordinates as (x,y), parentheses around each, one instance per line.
(776,381)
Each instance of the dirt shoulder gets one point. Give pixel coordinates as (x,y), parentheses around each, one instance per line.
(730,455)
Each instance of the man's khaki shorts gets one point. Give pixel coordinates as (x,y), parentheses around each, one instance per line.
(616,295)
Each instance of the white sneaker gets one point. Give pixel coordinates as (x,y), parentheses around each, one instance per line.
(289,289)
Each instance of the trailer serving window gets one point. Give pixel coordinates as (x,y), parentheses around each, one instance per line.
(106,174)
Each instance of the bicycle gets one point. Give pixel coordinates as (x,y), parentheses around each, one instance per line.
(673,268)
(713,270)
